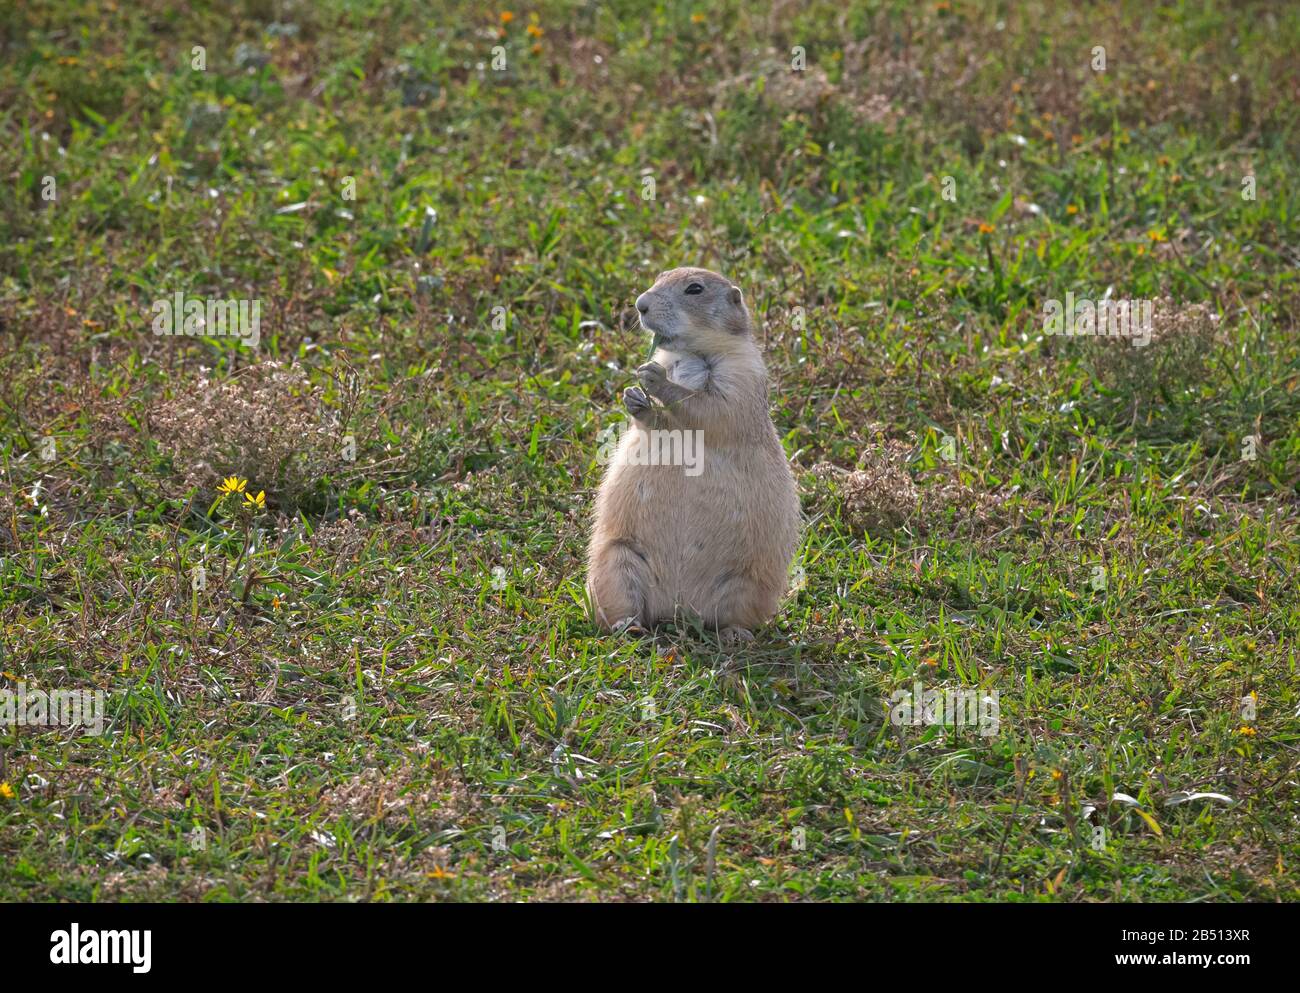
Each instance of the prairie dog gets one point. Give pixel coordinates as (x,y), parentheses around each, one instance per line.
(712,537)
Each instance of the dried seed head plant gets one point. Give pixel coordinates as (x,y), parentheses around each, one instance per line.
(1183,338)
(268,422)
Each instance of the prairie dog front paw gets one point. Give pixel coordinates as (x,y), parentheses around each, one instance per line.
(652,377)
(635,401)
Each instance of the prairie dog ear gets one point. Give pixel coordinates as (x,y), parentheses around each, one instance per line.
(734,296)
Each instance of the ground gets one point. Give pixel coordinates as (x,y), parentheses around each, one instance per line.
(380,680)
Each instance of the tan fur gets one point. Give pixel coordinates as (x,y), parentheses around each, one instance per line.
(716,545)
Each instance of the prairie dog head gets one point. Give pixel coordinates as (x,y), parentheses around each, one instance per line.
(694,310)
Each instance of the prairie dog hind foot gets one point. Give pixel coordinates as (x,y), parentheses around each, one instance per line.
(730,637)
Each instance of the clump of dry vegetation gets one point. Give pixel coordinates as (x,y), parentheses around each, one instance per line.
(881,495)
(341,540)
(269,423)
(808,91)
(399,795)
(1174,359)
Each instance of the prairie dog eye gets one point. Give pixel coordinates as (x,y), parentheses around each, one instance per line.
(694,288)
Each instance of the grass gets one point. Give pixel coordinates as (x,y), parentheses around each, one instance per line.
(383,685)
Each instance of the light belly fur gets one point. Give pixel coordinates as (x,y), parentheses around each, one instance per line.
(681,522)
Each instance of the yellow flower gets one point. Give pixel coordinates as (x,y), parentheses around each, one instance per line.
(1156,236)
(698,18)
(255,502)
(986,228)
(6,791)
(232,485)
(1071,209)
(1247,730)
(506,17)
(1056,773)
(535,31)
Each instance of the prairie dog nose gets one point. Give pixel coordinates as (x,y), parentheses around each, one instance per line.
(643,302)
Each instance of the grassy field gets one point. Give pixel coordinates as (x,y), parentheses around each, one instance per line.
(381,682)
